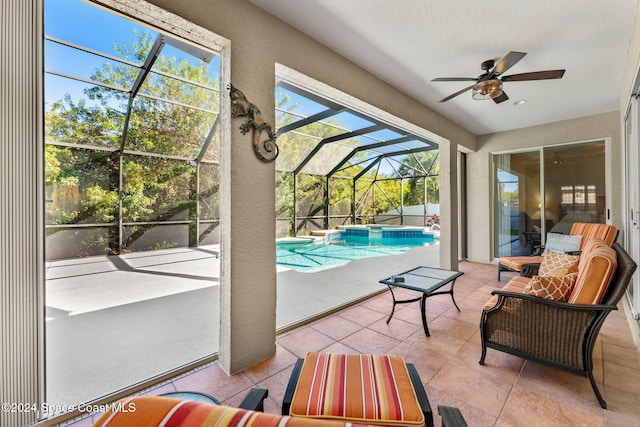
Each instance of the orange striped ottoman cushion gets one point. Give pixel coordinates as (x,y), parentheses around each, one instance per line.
(371,389)
(155,411)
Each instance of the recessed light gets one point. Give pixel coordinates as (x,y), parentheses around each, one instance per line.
(520,102)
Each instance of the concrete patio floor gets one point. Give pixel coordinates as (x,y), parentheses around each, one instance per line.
(114,321)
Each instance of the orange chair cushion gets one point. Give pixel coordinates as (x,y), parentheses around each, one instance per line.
(369,389)
(590,231)
(557,264)
(155,411)
(516,262)
(594,277)
(588,248)
(551,287)
(516,285)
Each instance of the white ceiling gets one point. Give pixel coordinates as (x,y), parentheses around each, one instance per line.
(407,43)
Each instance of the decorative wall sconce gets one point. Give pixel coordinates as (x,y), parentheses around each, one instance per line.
(267,149)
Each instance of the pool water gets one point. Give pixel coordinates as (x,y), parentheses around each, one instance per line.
(316,256)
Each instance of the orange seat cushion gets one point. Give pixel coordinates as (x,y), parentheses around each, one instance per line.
(369,389)
(155,411)
(516,262)
(516,285)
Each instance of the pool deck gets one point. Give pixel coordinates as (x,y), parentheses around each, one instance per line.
(303,296)
(103,313)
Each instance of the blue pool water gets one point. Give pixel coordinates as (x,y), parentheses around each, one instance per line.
(316,256)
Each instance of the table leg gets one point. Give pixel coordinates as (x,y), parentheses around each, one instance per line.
(423,303)
(393,307)
(395,301)
(452,298)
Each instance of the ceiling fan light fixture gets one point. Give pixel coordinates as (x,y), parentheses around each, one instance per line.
(487,89)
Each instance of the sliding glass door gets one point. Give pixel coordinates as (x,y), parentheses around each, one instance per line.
(516,203)
(574,183)
(546,190)
(632,199)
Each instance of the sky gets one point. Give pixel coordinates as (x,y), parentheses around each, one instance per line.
(92,27)
(83,24)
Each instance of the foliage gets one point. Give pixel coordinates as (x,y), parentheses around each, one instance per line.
(376,192)
(83,182)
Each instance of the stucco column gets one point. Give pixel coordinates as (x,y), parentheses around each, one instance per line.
(247,185)
(248,273)
(448,205)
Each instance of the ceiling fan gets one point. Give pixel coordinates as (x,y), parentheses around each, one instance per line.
(489,84)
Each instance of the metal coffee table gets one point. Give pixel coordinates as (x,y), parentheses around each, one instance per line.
(427,280)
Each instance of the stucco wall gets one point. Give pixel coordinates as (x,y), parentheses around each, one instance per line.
(259,41)
(602,126)
(632,66)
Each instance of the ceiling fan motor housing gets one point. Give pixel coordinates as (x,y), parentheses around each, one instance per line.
(487,65)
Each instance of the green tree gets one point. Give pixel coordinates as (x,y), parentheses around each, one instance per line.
(90,140)
(372,198)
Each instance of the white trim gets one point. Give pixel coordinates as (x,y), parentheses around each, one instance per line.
(559,144)
(305,82)
(164,21)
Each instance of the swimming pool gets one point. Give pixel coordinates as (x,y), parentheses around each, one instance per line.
(339,248)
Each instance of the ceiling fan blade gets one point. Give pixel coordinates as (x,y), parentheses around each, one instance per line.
(501,98)
(457,93)
(455,79)
(511,59)
(536,75)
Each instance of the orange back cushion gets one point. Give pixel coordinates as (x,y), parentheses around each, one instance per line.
(590,231)
(594,277)
(588,248)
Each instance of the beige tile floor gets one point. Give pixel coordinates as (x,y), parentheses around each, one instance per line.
(506,391)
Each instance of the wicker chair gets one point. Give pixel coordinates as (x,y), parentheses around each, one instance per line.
(555,333)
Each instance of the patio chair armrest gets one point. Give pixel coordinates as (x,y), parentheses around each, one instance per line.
(503,295)
(537,250)
(530,270)
(254,400)
(451,417)
(291,387)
